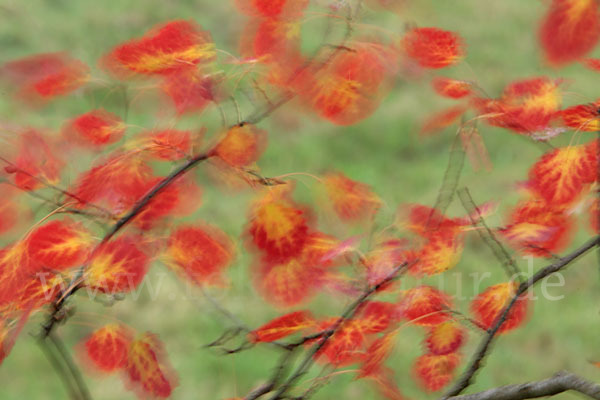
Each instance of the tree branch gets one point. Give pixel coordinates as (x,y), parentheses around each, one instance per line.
(561,382)
(477,359)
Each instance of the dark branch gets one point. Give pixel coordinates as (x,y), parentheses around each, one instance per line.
(559,383)
(477,359)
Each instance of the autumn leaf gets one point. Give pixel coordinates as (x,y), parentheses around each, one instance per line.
(561,175)
(445,338)
(169,144)
(165,49)
(283,326)
(451,88)
(278,227)
(95,128)
(241,145)
(41,77)
(435,371)
(583,117)
(148,370)
(433,47)
(425,305)
(570,30)
(190,90)
(376,354)
(199,253)
(345,346)
(59,245)
(377,316)
(108,347)
(352,200)
(438,254)
(539,228)
(118,266)
(489,305)
(442,119)
(272,9)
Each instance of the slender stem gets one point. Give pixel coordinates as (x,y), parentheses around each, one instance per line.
(476,361)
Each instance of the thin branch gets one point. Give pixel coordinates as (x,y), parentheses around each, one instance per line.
(71,366)
(349,313)
(559,383)
(487,235)
(477,359)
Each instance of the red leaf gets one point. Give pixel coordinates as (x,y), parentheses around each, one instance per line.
(148,369)
(433,47)
(283,326)
(570,30)
(200,253)
(95,128)
(489,305)
(445,338)
(108,347)
(434,372)
(425,305)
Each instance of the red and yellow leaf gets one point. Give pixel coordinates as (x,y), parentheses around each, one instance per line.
(170,144)
(539,228)
(583,117)
(59,245)
(561,175)
(108,347)
(433,47)
(165,49)
(435,371)
(377,316)
(283,326)
(148,369)
(41,77)
(95,128)
(440,253)
(451,88)
(425,305)
(352,200)
(118,266)
(376,355)
(445,338)
(278,227)
(272,8)
(200,253)
(346,345)
(241,145)
(489,305)
(189,90)
(570,30)
(442,119)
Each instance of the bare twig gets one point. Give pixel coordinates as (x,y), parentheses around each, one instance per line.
(476,361)
(559,383)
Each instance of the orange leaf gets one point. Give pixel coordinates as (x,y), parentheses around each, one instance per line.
(489,305)
(433,47)
(352,200)
(561,175)
(425,305)
(108,347)
(435,371)
(148,369)
(583,117)
(241,145)
(58,245)
(43,76)
(440,253)
(570,29)
(451,88)
(165,49)
(200,253)
(442,119)
(272,8)
(377,316)
(118,266)
(95,128)
(344,347)
(377,353)
(278,227)
(539,228)
(283,326)
(445,338)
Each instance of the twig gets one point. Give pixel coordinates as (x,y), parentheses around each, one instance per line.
(487,235)
(559,383)
(476,361)
(346,315)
